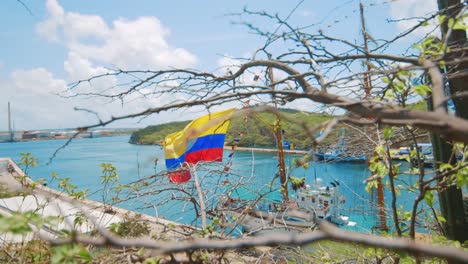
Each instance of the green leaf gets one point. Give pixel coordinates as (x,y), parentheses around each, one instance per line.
(406,215)
(370,185)
(462,177)
(151,261)
(85,255)
(450,22)
(422,89)
(428,41)
(373,166)
(404,73)
(388,132)
(429,198)
(441,19)
(380,150)
(445,166)
(407,158)
(398,87)
(385,80)
(460,25)
(389,94)
(381,169)
(18,223)
(417,46)
(441,218)
(442,63)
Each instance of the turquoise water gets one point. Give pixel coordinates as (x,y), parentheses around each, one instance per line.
(81,159)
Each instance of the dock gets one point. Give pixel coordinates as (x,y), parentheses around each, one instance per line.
(267,150)
(21,194)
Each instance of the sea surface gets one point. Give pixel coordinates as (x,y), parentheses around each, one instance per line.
(81,159)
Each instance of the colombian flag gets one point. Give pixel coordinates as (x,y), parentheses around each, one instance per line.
(201,140)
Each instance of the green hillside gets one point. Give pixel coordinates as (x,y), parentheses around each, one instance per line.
(155,134)
(256,131)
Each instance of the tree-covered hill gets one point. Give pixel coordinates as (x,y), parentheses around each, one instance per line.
(252,130)
(154,134)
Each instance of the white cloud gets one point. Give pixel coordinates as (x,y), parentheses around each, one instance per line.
(77,26)
(48,28)
(139,43)
(93,46)
(37,81)
(34,103)
(79,68)
(404,9)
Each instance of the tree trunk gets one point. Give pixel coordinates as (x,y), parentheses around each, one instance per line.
(451,199)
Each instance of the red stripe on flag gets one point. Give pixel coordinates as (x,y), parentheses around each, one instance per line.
(212,154)
(179,176)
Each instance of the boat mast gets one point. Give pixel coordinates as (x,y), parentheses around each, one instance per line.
(279,141)
(367,89)
(10,131)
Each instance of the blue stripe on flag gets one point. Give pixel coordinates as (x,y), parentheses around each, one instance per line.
(173,164)
(207,142)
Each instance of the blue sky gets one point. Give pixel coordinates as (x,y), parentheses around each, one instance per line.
(66,40)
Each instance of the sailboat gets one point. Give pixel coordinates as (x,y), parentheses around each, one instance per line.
(313,204)
(340,153)
(310,206)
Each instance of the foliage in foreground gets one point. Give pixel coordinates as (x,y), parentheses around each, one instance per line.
(37,251)
(42,252)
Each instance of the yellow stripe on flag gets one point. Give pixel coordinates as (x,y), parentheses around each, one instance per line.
(175,144)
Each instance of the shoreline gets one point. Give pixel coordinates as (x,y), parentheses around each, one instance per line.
(59,138)
(266,150)
(13,178)
(244,149)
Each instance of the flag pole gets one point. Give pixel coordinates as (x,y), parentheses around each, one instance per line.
(193,171)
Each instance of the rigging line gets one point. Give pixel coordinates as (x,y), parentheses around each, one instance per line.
(353,192)
(253,164)
(335,9)
(290,14)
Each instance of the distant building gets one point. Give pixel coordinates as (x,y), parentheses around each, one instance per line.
(58,135)
(70,133)
(5,136)
(86,135)
(104,133)
(31,135)
(96,133)
(45,134)
(99,133)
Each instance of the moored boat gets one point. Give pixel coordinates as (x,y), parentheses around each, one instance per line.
(312,205)
(340,153)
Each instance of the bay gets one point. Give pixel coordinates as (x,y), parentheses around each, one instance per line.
(81,159)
